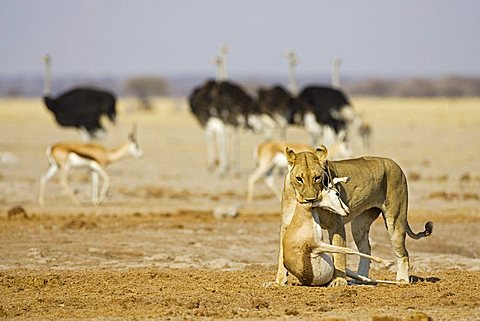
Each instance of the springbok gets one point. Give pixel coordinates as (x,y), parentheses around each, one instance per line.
(65,155)
(270,155)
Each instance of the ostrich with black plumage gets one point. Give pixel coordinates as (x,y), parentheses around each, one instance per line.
(79,107)
(221,107)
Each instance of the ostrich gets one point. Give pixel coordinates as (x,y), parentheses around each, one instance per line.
(277,105)
(322,110)
(326,111)
(219,106)
(81,108)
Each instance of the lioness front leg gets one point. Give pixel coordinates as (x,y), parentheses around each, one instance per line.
(337,238)
(282,273)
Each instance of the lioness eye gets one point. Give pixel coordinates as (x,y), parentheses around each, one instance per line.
(299,179)
(317,179)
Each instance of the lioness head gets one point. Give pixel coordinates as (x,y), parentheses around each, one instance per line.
(306,170)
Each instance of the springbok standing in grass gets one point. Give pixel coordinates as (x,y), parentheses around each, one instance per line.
(65,155)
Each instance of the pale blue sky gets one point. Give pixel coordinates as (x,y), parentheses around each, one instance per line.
(123,37)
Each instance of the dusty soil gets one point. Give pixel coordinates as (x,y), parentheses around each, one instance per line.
(155,250)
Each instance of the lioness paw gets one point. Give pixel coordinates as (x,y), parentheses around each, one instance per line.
(282,279)
(338,281)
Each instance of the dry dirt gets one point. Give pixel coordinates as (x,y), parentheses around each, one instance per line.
(154,249)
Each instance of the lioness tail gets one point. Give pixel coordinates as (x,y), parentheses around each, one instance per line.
(428,230)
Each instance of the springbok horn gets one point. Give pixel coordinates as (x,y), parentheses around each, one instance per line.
(133,133)
(340,179)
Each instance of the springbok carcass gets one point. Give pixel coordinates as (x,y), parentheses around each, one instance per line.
(63,156)
(306,254)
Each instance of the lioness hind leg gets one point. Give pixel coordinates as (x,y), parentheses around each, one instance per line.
(360,232)
(396,231)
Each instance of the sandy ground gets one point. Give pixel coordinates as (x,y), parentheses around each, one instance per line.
(154,249)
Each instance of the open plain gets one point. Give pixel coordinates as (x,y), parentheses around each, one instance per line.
(154,249)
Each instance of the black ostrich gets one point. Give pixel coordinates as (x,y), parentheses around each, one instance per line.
(327,112)
(201,102)
(326,103)
(79,107)
(218,106)
(277,103)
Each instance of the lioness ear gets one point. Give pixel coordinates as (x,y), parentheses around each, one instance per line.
(291,156)
(321,153)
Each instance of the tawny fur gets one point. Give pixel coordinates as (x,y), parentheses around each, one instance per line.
(305,252)
(378,185)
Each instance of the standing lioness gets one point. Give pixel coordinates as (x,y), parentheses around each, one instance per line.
(377,185)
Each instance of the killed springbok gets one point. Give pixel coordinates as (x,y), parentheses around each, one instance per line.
(331,200)
(305,251)
(65,155)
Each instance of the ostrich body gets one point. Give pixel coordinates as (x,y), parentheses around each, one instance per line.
(325,102)
(326,112)
(279,104)
(220,106)
(80,107)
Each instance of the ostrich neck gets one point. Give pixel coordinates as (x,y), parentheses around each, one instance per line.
(336,74)
(292,81)
(47,86)
(224,67)
(118,153)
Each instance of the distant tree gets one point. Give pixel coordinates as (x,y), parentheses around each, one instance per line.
(455,86)
(415,87)
(14,92)
(372,87)
(145,87)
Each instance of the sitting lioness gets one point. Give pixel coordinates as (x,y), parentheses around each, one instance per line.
(305,252)
(377,185)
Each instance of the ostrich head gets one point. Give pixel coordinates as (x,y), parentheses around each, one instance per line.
(46,59)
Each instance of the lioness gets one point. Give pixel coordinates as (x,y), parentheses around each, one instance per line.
(377,185)
(305,252)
